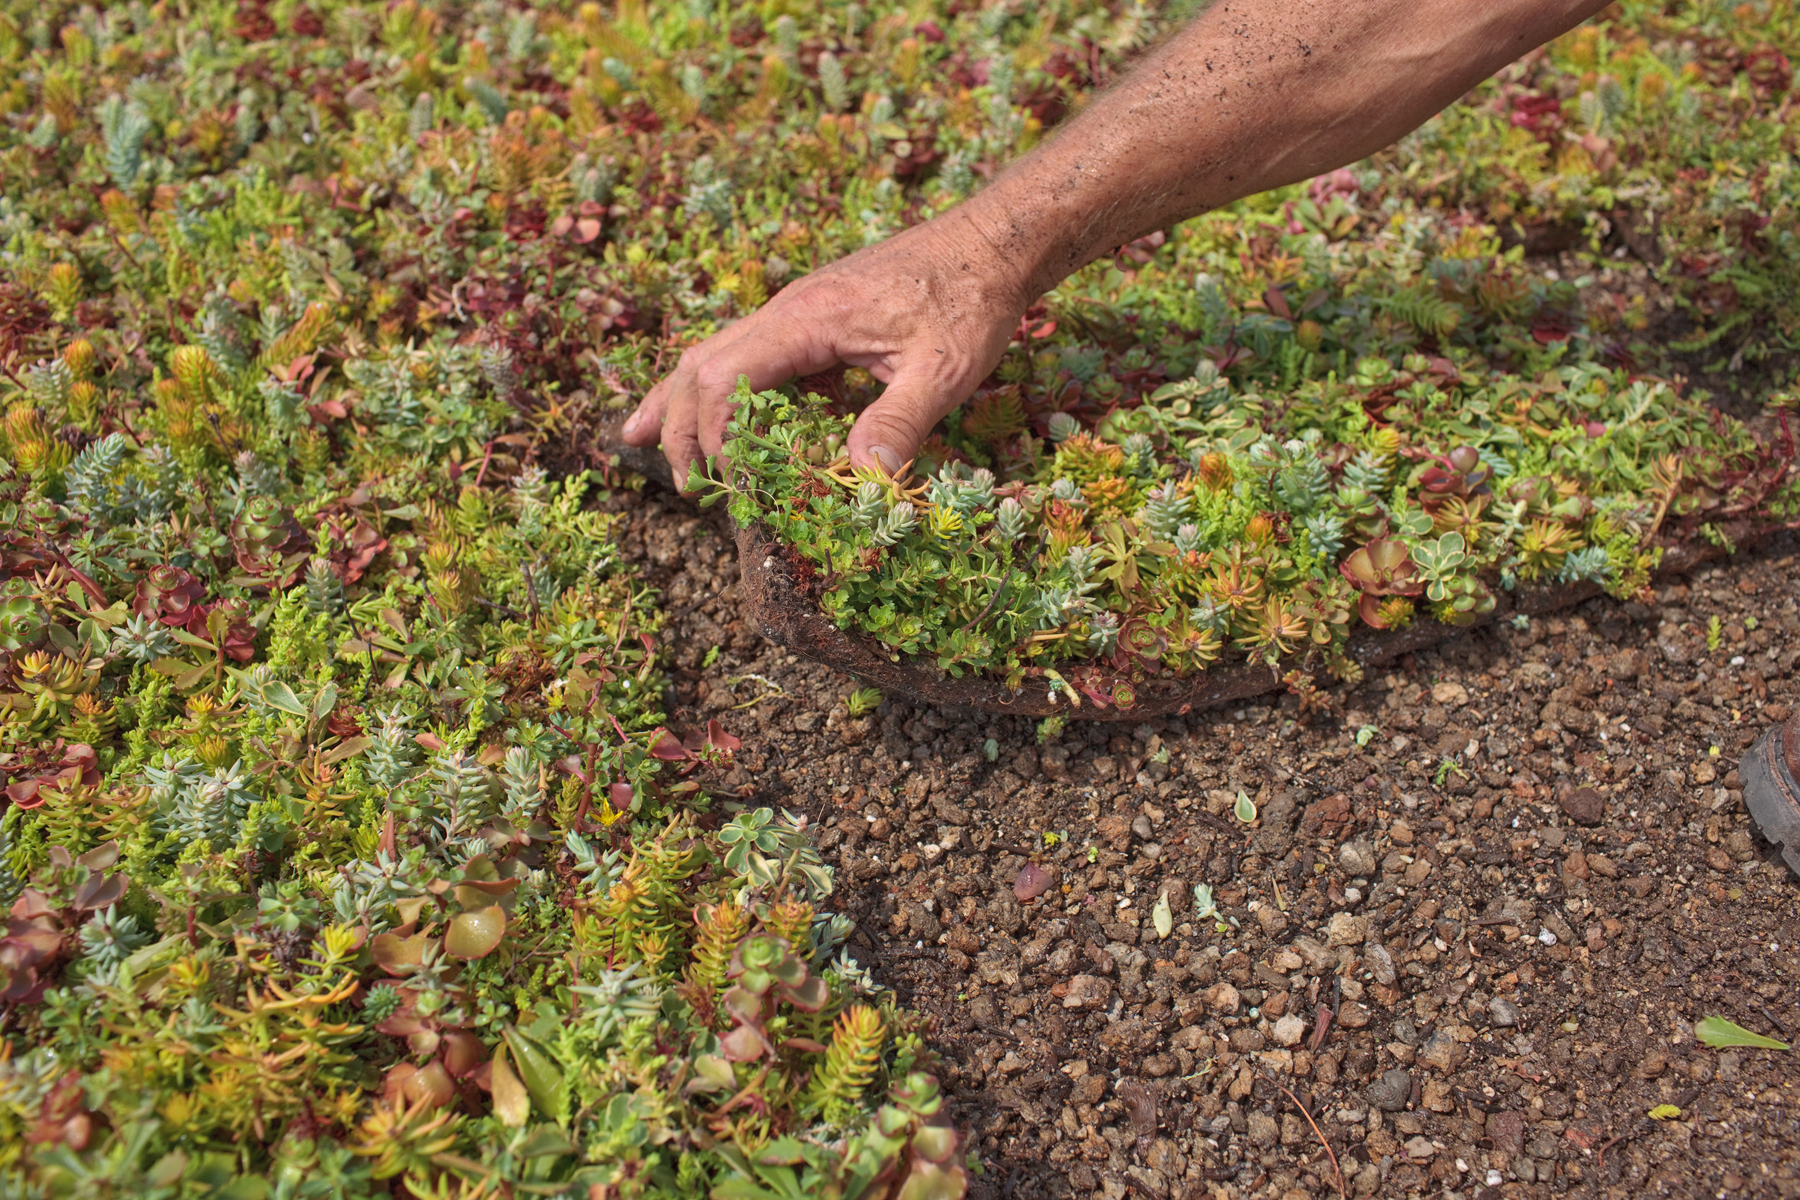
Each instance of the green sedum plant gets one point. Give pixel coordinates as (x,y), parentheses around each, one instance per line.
(1205,520)
(346,851)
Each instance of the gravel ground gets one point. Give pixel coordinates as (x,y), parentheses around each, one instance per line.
(1486,898)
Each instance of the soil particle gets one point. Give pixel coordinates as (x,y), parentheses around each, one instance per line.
(1403,886)
(1391,1092)
(1584,806)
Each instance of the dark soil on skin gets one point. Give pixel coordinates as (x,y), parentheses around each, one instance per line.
(1513,951)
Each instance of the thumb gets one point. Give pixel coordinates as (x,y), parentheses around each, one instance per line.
(890,431)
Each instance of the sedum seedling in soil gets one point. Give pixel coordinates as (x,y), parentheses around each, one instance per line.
(1717,1032)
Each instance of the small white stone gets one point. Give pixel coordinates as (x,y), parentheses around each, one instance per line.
(1546,937)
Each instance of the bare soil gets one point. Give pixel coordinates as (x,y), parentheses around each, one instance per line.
(1505,956)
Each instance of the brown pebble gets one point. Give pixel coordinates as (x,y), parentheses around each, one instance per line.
(1585,806)
(1507,1129)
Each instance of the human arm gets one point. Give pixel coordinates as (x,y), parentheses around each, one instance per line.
(1252,95)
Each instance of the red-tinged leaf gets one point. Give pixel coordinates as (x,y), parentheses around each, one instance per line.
(32,903)
(561,226)
(477,893)
(430,1086)
(100,891)
(36,943)
(430,741)
(483,1076)
(327,411)
(743,1044)
(810,996)
(1033,882)
(586,230)
(742,1004)
(295,371)
(620,796)
(399,955)
(805,1044)
(648,642)
(1277,303)
(935,1143)
(463,1052)
(1044,330)
(24,794)
(667,747)
(929,1181)
(348,748)
(718,739)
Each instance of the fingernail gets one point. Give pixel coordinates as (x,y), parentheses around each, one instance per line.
(631,424)
(890,462)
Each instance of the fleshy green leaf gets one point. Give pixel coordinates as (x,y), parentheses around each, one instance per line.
(1717,1031)
(475,934)
(1245,808)
(537,1070)
(512,1103)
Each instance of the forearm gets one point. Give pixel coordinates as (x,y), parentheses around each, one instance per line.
(1253,95)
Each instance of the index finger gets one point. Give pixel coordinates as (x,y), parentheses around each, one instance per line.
(765,353)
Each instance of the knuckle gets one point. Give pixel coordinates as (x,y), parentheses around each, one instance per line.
(715,378)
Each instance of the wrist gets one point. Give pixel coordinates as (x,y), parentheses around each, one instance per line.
(1004,239)
(1062,206)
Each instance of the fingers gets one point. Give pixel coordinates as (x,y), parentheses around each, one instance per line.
(889,431)
(644,427)
(688,411)
(680,440)
(767,349)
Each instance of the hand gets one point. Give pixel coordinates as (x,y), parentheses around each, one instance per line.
(928,312)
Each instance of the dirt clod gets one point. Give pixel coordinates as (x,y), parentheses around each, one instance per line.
(1585,806)
(1391,1092)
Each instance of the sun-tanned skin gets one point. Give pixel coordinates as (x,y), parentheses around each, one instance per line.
(1252,95)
